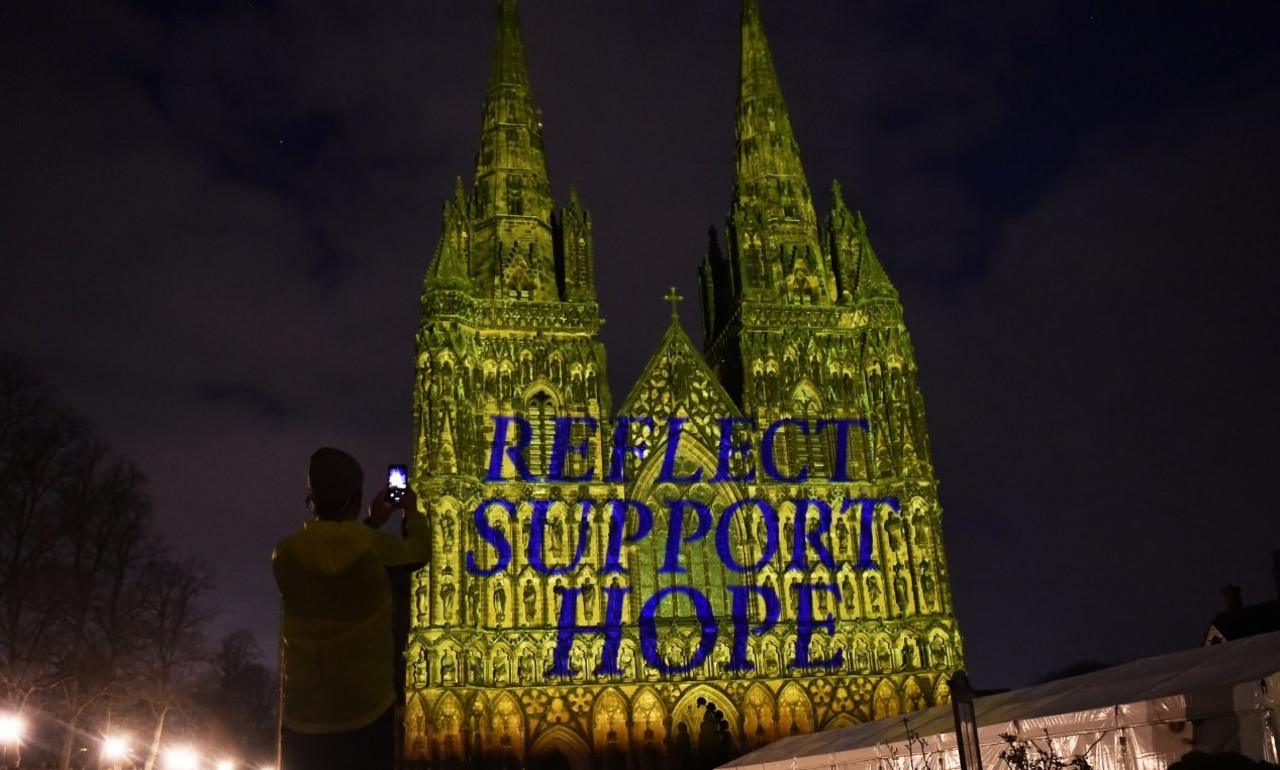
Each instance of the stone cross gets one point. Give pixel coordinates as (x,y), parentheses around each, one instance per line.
(674,299)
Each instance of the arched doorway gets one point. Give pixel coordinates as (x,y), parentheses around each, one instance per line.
(559,749)
(552,760)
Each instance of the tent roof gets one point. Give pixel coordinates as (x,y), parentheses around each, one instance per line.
(1178,673)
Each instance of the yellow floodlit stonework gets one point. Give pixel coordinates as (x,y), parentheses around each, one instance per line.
(801,322)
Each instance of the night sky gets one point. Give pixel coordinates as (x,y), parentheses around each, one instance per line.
(216,218)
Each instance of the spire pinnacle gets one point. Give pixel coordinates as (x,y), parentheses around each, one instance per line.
(860,273)
(770,189)
(508,67)
(512,190)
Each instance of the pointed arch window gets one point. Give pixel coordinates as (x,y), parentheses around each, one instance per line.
(515,195)
(540,411)
(809,450)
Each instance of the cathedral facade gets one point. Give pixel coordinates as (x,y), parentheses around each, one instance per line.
(800,325)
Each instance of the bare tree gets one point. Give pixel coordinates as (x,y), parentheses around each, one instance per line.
(96,620)
(919,755)
(37,437)
(238,699)
(172,642)
(1028,754)
(104,549)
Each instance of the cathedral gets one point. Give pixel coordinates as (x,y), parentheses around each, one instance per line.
(800,325)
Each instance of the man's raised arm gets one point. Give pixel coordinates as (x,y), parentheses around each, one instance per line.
(415,545)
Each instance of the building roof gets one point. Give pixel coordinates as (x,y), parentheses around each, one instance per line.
(1259,618)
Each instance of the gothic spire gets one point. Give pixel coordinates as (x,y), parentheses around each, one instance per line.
(512,190)
(776,230)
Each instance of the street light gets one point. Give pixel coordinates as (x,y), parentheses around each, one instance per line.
(226,764)
(12,726)
(114,748)
(182,758)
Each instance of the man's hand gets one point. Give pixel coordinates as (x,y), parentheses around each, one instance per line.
(408,501)
(381,508)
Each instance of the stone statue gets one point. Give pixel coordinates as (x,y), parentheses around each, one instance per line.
(524,669)
(873,593)
(420,668)
(446,598)
(423,601)
(926,582)
(938,652)
(884,657)
(588,599)
(900,590)
(473,601)
(530,597)
(557,537)
(446,531)
(861,656)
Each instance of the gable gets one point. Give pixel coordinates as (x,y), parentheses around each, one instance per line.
(676,382)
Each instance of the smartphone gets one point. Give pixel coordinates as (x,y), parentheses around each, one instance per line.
(397,482)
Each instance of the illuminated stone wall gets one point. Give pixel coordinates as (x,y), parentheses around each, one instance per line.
(801,321)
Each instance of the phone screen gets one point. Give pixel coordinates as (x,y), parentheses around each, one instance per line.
(397,482)
(397,476)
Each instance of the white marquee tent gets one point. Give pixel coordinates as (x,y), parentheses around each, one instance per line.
(1142,715)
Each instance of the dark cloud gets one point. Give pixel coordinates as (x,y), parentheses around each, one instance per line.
(217,217)
(1108,445)
(245,396)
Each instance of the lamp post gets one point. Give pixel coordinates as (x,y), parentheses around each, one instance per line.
(966,722)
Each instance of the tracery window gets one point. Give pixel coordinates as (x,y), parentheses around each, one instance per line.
(515,195)
(809,450)
(541,413)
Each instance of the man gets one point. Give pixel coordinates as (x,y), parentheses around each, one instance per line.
(337,656)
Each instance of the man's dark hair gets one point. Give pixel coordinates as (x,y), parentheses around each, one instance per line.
(336,480)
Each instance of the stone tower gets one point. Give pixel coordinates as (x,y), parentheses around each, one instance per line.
(509,327)
(801,325)
(801,322)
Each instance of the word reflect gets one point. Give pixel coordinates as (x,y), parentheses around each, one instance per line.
(734,443)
